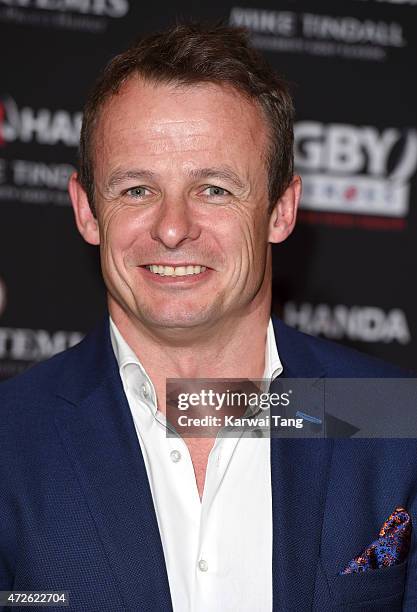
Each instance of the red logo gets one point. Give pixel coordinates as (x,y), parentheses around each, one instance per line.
(2,296)
(2,117)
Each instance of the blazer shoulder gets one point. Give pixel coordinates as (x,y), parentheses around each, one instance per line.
(66,369)
(336,360)
(71,374)
(36,382)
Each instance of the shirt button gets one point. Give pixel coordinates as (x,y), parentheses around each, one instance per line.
(145,391)
(203,565)
(175,456)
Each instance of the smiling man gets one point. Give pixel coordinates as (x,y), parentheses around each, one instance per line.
(181,216)
(185,182)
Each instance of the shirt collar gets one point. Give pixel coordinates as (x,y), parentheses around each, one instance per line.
(134,375)
(273,365)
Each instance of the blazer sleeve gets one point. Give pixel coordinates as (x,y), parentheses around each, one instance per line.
(7,546)
(410,591)
(8,505)
(6,576)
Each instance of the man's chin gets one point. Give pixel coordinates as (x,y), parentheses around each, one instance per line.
(175,320)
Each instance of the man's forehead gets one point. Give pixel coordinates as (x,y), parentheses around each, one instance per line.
(149,125)
(179,107)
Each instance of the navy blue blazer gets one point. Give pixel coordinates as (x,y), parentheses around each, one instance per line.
(76,510)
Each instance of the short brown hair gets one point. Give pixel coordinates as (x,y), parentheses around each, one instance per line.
(190,54)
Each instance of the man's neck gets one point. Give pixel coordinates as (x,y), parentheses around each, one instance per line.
(230,349)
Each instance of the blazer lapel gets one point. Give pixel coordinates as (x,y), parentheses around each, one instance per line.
(98,432)
(299,478)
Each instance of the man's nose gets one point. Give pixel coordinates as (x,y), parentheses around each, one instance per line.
(175,223)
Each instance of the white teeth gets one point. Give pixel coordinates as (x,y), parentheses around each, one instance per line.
(176,270)
(180,271)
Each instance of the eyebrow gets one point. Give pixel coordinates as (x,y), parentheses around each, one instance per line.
(119,176)
(223,172)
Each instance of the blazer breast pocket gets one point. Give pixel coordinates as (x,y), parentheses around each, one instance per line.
(376,590)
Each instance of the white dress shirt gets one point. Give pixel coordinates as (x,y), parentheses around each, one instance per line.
(218,551)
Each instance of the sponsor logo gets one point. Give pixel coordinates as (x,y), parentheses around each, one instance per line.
(34,182)
(324,35)
(39,174)
(43,126)
(395,1)
(2,297)
(109,8)
(355,169)
(77,15)
(357,323)
(30,345)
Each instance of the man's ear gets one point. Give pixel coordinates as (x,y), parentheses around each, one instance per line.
(84,218)
(284,213)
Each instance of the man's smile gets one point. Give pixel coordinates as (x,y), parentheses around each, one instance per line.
(178,275)
(175,270)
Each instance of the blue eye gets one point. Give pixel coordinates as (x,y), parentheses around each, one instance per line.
(216,191)
(137,192)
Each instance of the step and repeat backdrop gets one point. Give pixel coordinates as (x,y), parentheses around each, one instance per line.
(348,273)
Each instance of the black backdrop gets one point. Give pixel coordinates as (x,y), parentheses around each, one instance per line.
(347,273)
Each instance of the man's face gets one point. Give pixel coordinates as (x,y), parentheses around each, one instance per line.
(181,199)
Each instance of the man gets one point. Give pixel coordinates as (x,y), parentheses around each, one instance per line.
(186,180)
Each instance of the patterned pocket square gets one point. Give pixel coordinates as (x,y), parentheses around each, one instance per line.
(391,548)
